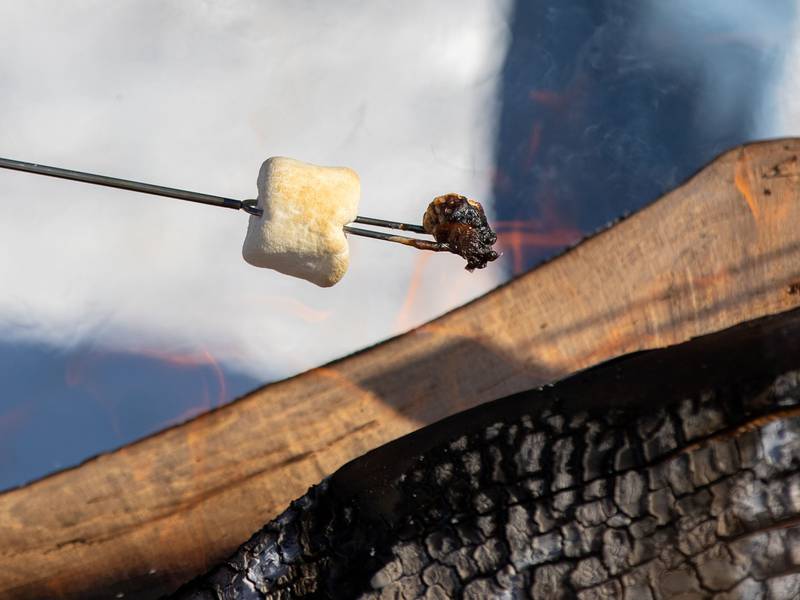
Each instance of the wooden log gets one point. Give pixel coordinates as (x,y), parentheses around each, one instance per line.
(669,473)
(721,249)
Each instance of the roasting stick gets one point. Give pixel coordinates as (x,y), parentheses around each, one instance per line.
(249,206)
(300,221)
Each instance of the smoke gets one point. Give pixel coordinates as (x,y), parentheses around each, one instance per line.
(780,112)
(196,95)
(731,48)
(607,105)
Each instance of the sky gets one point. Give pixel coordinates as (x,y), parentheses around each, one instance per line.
(123,313)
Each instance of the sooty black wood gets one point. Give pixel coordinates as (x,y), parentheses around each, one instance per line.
(673,473)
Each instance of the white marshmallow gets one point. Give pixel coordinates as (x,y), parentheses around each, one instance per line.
(305,208)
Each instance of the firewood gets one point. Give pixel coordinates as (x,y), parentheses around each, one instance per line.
(672,472)
(721,249)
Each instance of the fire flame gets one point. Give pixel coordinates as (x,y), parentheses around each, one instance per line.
(82,372)
(741,178)
(354,390)
(560,100)
(194,360)
(514,237)
(548,98)
(403,320)
(534,142)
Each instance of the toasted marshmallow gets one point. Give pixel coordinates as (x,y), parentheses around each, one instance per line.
(300,232)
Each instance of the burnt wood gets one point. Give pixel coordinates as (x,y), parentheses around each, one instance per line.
(673,472)
(721,249)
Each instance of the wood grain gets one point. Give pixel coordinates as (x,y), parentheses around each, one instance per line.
(620,482)
(721,249)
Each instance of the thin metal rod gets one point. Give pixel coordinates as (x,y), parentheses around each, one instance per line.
(398,239)
(389,224)
(124,184)
(246,205)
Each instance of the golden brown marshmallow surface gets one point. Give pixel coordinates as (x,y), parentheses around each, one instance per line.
(305,209)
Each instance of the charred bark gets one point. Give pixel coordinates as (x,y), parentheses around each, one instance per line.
(669,473)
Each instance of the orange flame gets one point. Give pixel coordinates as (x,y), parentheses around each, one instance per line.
(548,98)
(203,358)
(560,100)
(404,320)
(78,373)
(340,379)
(534,142)
(447,332)
(178,359)
(515,236)
(741,178)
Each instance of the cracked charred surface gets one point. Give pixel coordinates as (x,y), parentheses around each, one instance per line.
(667,474)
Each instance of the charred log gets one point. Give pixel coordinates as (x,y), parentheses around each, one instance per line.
(669,473)
(137,522)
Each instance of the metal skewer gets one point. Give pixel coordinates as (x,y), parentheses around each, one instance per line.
(389,224)
(124,184)
(249,206)
(398,239)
